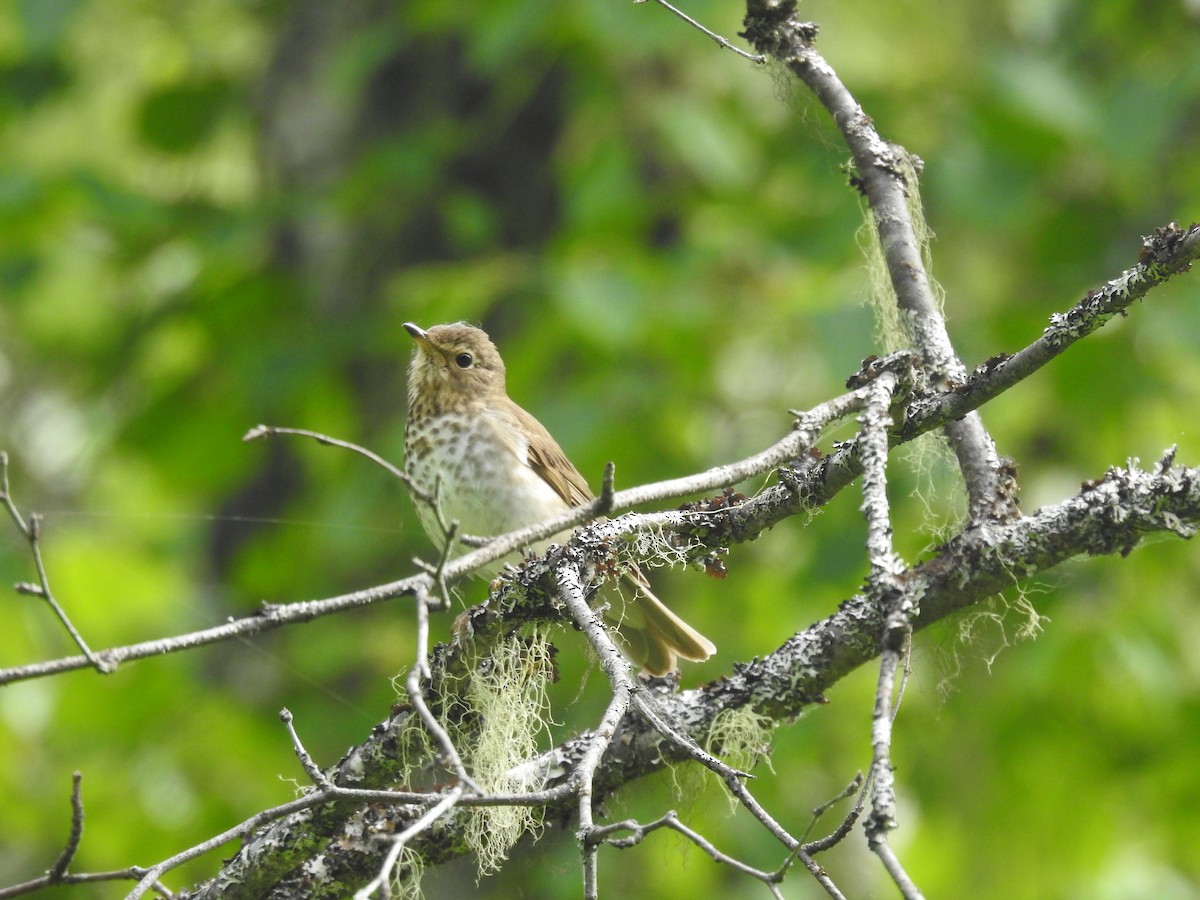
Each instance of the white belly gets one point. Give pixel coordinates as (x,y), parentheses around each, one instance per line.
(487,493)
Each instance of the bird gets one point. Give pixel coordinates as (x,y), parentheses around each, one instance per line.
(482,461)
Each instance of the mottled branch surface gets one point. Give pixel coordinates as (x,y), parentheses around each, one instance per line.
(1108,516)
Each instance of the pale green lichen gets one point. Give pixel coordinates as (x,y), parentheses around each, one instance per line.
(414,747)
(741,738)
(930,458)
(508,692)
(990,628)
(407,886)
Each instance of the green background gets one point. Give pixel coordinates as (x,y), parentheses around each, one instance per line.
(218,213)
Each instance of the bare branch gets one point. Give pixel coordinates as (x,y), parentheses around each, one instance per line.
(897,608)
(60,866)
(271,616)
(259,432)
(885,564)
(721,42)
(806,483)
(908,888)
(306,761)
(604,503)
(416,696)
(399,842)
(843,829)
(670,820)
(616,667)
(32,530)
(133,873)
(1169,251)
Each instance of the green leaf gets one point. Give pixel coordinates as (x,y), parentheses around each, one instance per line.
(179,119)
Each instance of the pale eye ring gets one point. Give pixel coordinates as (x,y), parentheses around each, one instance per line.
(464,360)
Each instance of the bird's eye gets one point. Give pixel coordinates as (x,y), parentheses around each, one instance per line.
(464,360)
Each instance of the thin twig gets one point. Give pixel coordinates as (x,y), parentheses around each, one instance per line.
(638,833)
(722,42)
(616,667)
(32,531)
(661,720)
(416,696)
(306,761)
(733,779)
(263,431)
(604,503)
(401,840)
(1168,251)
(438,572)
(854,785)
(59,869)
(133,873)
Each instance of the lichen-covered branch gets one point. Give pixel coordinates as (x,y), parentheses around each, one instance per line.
(1110,515)
(1169,250)
(886,175)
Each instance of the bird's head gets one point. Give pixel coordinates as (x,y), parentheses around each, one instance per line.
(453,365)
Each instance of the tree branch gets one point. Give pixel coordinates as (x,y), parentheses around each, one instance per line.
(32,531)
(271,616)
(1108,516)
(1169,251)
(886,175)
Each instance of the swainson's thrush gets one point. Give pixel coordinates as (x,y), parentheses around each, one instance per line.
(493,468)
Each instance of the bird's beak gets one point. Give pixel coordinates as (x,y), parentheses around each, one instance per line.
(418,333)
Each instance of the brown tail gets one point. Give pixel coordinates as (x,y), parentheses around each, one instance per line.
(651,635)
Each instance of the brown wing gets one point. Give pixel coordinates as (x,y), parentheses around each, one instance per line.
(653,636)
(547,459)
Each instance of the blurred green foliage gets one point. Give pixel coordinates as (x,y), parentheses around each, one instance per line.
(218,213)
